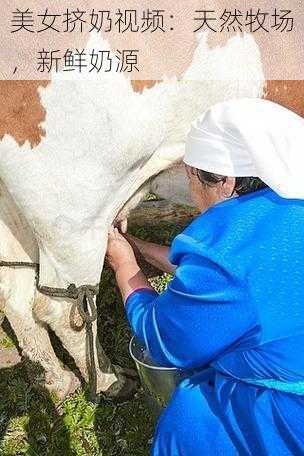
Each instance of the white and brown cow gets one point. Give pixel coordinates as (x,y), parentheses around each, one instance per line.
(73,155)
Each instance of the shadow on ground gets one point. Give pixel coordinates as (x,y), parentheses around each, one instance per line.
(30,422)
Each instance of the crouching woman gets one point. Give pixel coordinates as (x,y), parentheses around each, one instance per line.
(235,303)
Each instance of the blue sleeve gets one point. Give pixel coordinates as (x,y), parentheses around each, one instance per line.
(203,312)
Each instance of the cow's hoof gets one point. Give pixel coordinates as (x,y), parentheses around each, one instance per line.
(124,388)
(64,386)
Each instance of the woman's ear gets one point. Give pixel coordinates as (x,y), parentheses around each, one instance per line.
(228,187)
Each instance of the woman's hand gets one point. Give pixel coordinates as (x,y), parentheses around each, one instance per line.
(119,251)
(122,259)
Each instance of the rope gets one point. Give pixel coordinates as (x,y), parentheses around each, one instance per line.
(84,303)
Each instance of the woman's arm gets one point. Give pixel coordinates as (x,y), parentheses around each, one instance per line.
(203,312)
(130,278)
(155,254)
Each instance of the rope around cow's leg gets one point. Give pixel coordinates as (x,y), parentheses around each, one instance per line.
(91,366)
(85,304)
(127,381)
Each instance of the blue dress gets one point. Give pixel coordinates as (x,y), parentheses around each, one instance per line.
(235,304)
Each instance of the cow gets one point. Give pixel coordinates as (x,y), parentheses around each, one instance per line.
(76,155)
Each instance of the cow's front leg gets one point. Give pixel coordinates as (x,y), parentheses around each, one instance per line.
(60,314)
(17,293)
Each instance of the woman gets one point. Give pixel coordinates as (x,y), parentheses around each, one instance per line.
(235,303)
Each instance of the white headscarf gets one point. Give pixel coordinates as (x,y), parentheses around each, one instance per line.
(250,137)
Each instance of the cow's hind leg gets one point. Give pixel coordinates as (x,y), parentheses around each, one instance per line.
(58,313)
(18,293)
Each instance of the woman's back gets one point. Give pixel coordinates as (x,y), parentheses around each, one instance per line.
(256,242)
(259,238)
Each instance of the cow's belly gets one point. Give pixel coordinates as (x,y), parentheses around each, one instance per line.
(99,150)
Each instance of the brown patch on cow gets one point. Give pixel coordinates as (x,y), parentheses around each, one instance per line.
(287,93)
(139,85)
(21,112)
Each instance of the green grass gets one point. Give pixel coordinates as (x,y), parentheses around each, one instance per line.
(33,423)
(7,342)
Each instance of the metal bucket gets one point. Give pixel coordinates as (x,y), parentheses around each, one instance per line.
(158,382)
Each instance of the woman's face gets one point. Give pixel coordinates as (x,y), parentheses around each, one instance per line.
(205,196)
